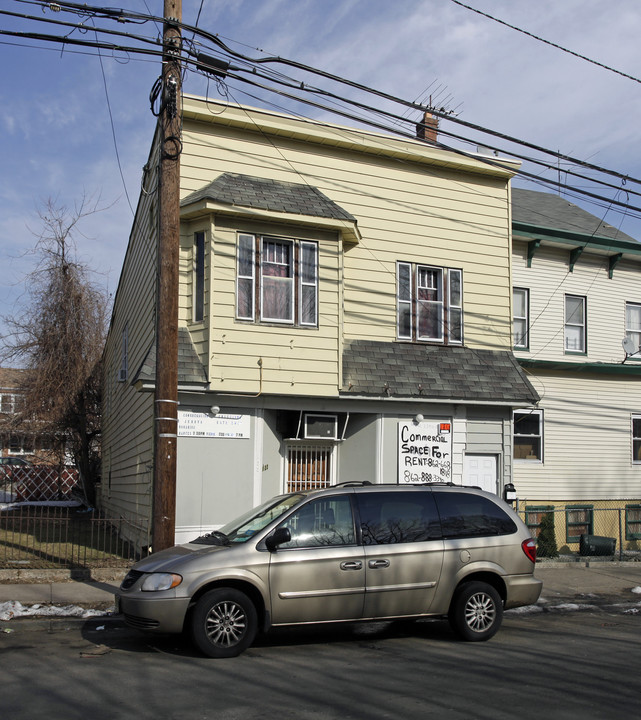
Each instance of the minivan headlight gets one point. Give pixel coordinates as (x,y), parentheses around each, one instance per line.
(160,581)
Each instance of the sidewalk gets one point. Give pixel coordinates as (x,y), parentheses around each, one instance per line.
(585,581)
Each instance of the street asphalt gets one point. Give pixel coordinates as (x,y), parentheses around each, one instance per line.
(585,581)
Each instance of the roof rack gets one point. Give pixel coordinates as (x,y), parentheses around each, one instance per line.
(353,483)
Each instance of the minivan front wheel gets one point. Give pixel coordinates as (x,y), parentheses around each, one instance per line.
(224,623)
(476,611)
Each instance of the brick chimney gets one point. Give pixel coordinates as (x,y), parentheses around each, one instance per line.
(427,130)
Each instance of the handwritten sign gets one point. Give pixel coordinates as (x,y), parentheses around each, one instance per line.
(424,452)
(206,425)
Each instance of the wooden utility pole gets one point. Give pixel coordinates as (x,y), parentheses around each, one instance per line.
(166,395)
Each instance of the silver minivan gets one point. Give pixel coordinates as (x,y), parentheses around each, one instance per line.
(351,552)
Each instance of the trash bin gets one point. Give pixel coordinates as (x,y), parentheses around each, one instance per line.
(596,545)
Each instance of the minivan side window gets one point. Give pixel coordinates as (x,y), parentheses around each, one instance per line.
(390,517)
(466,515)
(321,522)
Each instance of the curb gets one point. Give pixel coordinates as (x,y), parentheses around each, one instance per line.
(36,577)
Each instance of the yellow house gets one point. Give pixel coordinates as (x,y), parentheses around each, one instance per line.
(345,314)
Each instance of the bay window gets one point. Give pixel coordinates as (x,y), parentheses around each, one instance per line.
(277,280)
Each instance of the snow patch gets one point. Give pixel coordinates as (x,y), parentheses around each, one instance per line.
(13,609)
(637,589)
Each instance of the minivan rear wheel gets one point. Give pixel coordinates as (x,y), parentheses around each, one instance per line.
(476,611)
(224,623)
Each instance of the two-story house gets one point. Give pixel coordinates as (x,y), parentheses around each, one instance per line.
(577,332)
(345,314)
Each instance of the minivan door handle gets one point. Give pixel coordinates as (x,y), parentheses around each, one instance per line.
(352,565)
(374,564)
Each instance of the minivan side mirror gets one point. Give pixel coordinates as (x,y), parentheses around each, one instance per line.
(278,537)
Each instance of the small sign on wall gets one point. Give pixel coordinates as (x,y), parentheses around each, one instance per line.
(424,452)
(206,425)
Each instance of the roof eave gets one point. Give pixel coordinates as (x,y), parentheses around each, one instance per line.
(206,206)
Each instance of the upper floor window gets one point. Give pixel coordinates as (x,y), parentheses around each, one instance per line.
(521,319)
(575,324)
(528,435)
(277,280)
(633,324)
(429,303)
(124,355)
(199,276)
(11,403)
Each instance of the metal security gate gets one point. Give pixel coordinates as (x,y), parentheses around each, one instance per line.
(308,466)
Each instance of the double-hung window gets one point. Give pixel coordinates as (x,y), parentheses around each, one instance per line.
(636,439)
(521,318)
(277,280)
(199,277)
(575,324)
(633,325)
(429,303)
(528,435)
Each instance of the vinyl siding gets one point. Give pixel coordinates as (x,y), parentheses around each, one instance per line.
(416,212)
(127,433)
(549,280)
(587,445)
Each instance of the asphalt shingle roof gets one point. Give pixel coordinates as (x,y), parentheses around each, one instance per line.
(376,368)
(551,211)
(274,195)
(190,369)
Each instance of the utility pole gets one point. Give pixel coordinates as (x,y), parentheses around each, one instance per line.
(166,394)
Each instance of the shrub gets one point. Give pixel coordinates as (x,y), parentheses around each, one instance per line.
(546,545)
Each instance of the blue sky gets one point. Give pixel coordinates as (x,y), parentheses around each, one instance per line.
(56,134)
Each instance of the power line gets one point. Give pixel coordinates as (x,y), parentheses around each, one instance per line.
(547,42)
(296,85)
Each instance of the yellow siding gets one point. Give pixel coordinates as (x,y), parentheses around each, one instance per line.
(416,212)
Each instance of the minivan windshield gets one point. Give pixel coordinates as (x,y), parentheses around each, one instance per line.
(242,528)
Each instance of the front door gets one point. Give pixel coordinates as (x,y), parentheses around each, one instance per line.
(481,471)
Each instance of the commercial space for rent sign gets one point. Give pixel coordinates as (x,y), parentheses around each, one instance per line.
(424,452)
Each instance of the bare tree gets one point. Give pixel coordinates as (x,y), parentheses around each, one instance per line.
(59,338)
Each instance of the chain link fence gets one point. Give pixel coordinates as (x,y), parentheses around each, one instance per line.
(585,529)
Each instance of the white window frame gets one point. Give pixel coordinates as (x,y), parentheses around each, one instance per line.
(521,340)
(303,285)
(447,303)
(246,273)
(288,281)
(633,327)
(572,325)
(307,284)
(535,413)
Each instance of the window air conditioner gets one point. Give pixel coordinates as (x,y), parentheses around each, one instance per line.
(320,427)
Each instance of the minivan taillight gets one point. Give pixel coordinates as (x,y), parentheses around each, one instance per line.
(529,548)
